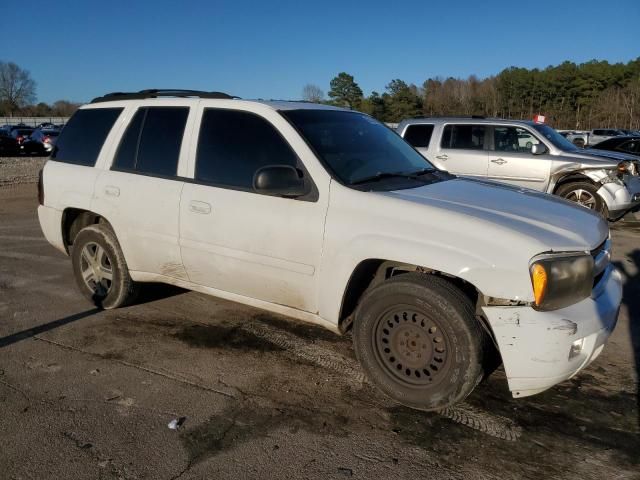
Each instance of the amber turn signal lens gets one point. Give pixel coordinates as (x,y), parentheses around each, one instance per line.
(540,280)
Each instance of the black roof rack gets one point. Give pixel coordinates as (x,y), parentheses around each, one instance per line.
(160,92)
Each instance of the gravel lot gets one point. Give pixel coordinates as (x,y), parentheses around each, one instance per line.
(20,170)
(90,394)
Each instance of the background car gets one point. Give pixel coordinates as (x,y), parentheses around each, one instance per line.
(627,144)
(21,134)
(8,145)
(41,141)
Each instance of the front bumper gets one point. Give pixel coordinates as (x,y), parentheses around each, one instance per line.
(536,346)
(621,198)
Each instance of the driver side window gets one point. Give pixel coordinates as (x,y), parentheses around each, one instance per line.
(234,144)
(513,139)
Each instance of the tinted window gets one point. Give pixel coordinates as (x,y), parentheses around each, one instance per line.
(152,141)
(232,145)
(467,137)
(599,132)
(128,149)
(161,139)
(513,139)
(82,138)
(418,135)
(355,146)
(632,146)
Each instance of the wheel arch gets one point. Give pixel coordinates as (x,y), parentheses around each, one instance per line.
(74,220)
(372,271)
(572,178)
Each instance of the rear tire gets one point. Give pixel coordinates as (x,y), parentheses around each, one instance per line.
(100,269)
(418,340)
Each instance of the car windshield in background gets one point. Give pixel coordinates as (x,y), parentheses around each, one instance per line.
(555,138)
(355,146)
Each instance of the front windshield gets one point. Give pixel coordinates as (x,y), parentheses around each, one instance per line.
(555,138)
(355,146)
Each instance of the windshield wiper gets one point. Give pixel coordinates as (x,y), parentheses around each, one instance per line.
(419,173)
(382,175)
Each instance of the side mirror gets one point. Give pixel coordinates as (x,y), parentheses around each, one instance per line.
(283,180)
(538,149)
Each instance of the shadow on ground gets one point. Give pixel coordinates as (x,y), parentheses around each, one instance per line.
(32,332)
(631,298)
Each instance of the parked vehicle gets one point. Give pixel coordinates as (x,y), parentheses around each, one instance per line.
(493,149)
(8,145)
(626,144)
(41,141)
(328,216)
(21,134)
(583,139)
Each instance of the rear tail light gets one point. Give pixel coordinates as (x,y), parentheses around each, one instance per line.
(40,188)
(46,140)
(19,138)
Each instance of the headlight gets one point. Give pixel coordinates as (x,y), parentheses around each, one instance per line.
(561,280)
(627,168)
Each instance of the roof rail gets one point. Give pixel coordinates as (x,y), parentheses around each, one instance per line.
(160,92)
(477,117)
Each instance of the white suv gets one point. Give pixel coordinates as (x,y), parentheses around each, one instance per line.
(328,216)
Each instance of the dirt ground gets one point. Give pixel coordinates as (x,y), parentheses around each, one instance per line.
(90,394)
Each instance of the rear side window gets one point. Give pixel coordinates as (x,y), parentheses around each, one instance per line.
(418,135)
(233,144)
(465,137)
(84,134)
(152,141)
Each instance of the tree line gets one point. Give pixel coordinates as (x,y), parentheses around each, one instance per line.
(18,96)
(594,94)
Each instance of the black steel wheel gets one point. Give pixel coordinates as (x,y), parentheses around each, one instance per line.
(417,339)
(412,346)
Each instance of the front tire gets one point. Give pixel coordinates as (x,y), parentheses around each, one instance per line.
(584,194)
(100,269)
(417,339)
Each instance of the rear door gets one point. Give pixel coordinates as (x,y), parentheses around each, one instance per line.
(463,149)
(140,192)
(511,160)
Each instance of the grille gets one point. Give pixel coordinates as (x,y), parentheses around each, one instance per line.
(601,259)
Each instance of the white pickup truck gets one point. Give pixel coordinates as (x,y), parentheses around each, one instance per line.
(592,137)
(327,216)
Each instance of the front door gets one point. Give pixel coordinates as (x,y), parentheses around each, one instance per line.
(511,160)
(240,241)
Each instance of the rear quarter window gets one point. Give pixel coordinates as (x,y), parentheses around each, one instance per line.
(84,134)
(419,135)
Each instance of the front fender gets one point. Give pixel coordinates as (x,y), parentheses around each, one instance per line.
(478,270)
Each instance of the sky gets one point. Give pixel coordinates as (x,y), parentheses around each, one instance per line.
(77,50)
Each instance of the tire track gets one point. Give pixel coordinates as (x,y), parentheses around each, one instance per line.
(463,413)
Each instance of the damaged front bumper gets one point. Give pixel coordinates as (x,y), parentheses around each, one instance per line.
(541,349)
(621,197)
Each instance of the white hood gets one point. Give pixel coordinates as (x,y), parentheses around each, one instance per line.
(551,221)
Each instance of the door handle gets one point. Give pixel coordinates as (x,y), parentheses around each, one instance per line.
(442,157)
(499,161)
(112,191)
(199,207)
